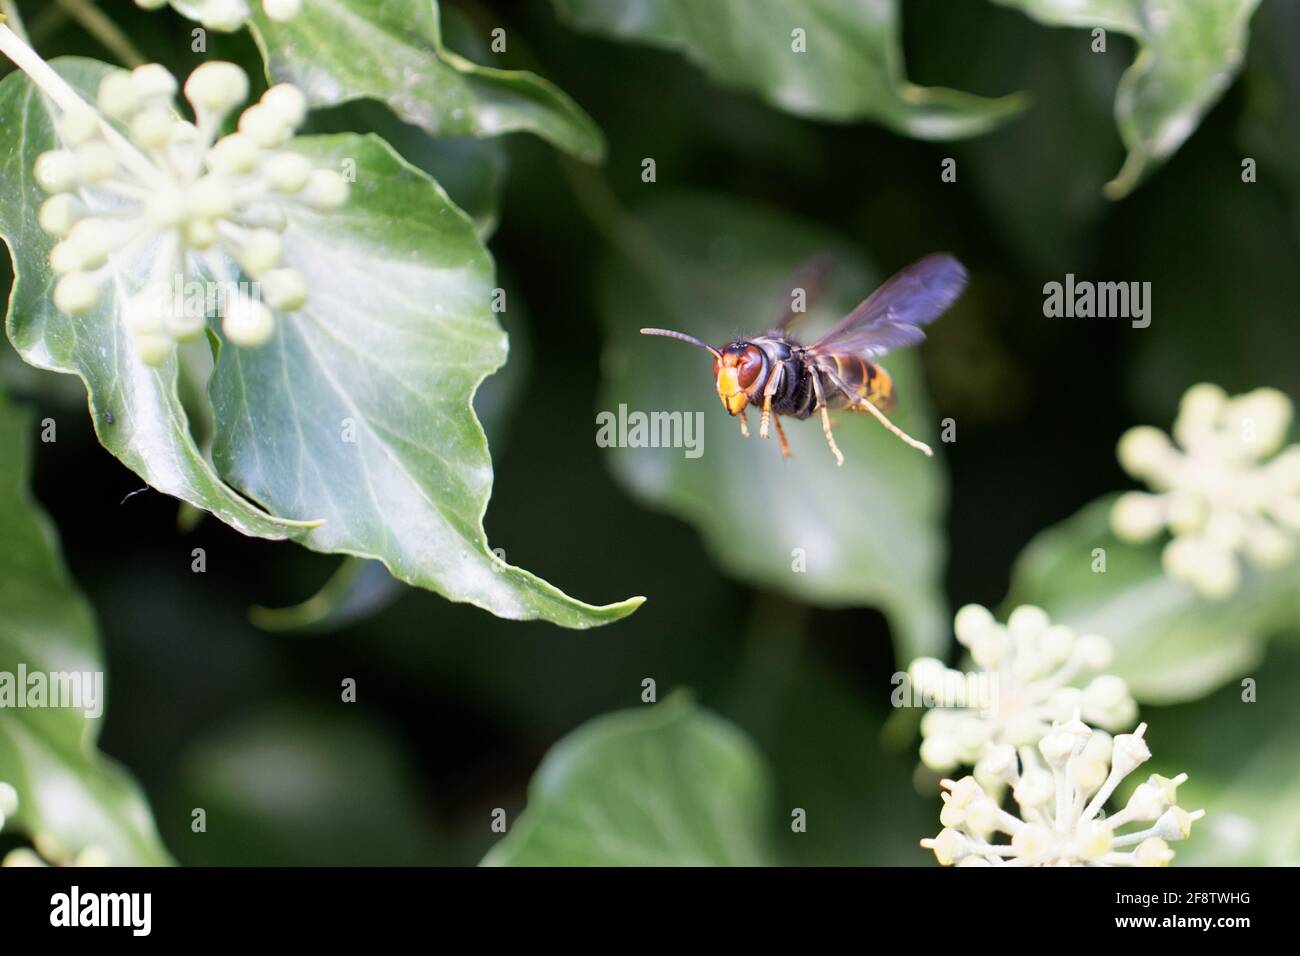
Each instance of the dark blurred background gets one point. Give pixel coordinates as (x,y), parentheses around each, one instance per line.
(457,707)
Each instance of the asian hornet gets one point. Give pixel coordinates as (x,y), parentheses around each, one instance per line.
(838,371)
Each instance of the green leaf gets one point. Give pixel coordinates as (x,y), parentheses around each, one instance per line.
(851,67)
(68,790)
(472,171)
(867,533)
(1189,53)
(358,409)
(392,50)
(303,787)
(137,410)
(664,785)
(1239,751)
(1171,643)
(398,335)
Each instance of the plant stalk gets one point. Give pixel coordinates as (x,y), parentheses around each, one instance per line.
(69,100)
(99,25)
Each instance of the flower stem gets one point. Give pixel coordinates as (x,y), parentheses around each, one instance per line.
(67,99)
(95,22)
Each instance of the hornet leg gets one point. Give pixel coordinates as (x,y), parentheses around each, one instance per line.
(744,423)
(780,433)
(859,402)
(769,389)
(826,418)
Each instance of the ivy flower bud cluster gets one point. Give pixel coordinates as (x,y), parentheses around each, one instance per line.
(226,15)
(1027,667)
(1060,803)
(175,201)
(1217,487)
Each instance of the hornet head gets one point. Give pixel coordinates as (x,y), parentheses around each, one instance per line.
(736,368)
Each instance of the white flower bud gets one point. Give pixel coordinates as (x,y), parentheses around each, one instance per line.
(224,15)
(8,800)
(259,251)
(185,325)
(282,10)
(939,753)
(1216,574)
(1137,516)
(76,294)
(118,96)
(153,348)
(78,126)
(287,103)
(1143,450)
(1153,852)
(971,621)
(150,4)
(59,214)
(153,81)
(145,312)
(152,128)
(990,647)
(247,322)
(1093,840)
(1034,789)
(1129,751)
(1027,622)
(96,162)
(56,171)
(326,190)
(948,846)
(284,290)
(235,154)
(93,856)
(22,857)
(1093,652)
(216,86)
(264,127)
(94,239)
(1108,703)
(66,257)
(1033,842)
(288,172)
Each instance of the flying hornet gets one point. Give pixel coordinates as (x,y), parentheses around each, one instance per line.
(838,371)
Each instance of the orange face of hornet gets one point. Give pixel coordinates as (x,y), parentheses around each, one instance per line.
(737,375)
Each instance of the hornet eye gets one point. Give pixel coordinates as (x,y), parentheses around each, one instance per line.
(750,364)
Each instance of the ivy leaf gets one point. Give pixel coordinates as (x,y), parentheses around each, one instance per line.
(392,50)
(850,67)
(1190,52)
(1171,643)
(137,410)
(864,534)
(358,409)
(68,790)
(665,785)
(398,335)
(1239,750)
